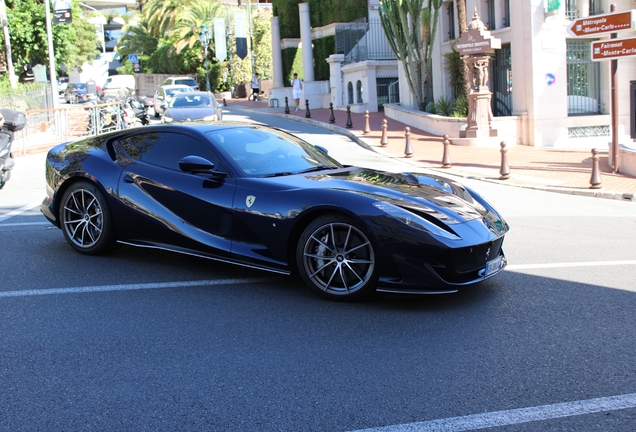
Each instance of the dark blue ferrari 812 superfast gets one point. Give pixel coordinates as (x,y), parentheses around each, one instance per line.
(262,198)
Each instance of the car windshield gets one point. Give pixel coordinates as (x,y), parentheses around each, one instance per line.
(188,82)
(190,101)
(77,86)
(268,153)
(173,91)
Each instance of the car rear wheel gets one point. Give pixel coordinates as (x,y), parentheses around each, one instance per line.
(85,219)
(337,259)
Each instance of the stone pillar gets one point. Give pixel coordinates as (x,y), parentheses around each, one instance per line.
(305,40)
(277,57)
(335,79)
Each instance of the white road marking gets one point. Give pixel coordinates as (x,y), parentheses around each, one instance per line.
(515,416)
(129,287)
(19,211)
(570,264)
(25,224)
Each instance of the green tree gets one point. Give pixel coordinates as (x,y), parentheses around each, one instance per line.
(73,44)
(410,28)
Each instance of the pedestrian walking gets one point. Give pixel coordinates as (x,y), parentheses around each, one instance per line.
(297,90)
(255,86)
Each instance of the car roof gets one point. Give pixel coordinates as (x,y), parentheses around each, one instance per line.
(178,77)
(196,93)
(169,86)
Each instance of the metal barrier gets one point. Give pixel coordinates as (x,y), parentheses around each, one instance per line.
(54,126)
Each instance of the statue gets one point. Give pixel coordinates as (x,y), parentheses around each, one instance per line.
(480,73)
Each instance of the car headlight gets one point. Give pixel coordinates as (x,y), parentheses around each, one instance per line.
(210,118)
(166,119)
(413,220)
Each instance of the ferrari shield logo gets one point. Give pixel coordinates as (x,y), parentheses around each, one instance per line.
(249,201)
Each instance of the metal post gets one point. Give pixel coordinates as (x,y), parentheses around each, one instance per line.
(367,128)
(505,169)
(286,105)
(614,105)
(446,160)
(384,141)
(595,179)
(307,113)
(349,122)
(408,150)
(332,119)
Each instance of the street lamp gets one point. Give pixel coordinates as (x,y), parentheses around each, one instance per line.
(204,38)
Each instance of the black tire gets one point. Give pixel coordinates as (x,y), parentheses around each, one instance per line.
(336,258)
(85,219)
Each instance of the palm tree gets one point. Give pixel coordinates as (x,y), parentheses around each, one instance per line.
(463,27)
(162,15)
(137,40)
(185,32)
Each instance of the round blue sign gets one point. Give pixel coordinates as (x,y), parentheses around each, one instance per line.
(550,79)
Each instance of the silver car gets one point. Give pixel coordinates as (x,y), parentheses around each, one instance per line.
(192,106)
(164,95)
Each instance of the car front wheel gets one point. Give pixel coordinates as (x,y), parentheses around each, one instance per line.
(337,259)
(85,219)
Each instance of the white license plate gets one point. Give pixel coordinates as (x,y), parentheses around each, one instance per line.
(494,265)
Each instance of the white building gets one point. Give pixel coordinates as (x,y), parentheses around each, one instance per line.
(546,89)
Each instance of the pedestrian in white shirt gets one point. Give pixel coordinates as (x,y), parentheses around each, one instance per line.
(297,90)
(255,87)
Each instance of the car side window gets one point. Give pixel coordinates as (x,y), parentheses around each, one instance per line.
(166,149)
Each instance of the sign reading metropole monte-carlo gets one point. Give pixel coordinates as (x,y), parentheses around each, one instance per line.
(477,41)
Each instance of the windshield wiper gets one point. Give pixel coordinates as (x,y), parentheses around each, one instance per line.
(317,168)
(278,174)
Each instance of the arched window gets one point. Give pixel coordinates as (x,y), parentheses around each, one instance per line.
(350,92)
(359,91)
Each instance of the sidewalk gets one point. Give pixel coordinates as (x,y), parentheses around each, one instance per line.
(554,169)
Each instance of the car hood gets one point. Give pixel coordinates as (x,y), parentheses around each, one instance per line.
(185,114)
(437,196)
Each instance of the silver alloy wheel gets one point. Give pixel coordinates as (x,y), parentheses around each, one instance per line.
(82,218)
(338,258)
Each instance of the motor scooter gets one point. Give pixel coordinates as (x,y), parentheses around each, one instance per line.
(12,121)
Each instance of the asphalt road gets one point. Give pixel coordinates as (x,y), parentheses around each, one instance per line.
(150,340)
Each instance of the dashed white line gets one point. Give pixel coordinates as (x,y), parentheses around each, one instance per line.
(16,212)
(515,416)
(569,264)
(129,287)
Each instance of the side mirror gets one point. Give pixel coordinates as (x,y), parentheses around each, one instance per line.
(322,149)
(198,165)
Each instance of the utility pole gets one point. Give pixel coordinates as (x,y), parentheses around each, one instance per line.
(52,76)
(7,45)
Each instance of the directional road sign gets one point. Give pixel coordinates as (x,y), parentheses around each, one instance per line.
(611,49)
(602,24)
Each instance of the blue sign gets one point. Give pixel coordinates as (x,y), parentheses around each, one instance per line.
(550,79)
(133,58)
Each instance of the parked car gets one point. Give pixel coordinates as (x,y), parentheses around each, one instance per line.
(262,198)
(192,106)
(120,85)
(75,93)
(164,94)
(189,81)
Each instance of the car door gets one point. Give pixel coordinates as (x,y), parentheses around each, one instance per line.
(166,206)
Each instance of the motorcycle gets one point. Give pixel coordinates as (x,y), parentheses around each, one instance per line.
(12,121)
(138,110)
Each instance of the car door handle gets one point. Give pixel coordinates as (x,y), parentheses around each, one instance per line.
(128,178)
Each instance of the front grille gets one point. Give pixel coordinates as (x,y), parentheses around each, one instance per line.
(474,258)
